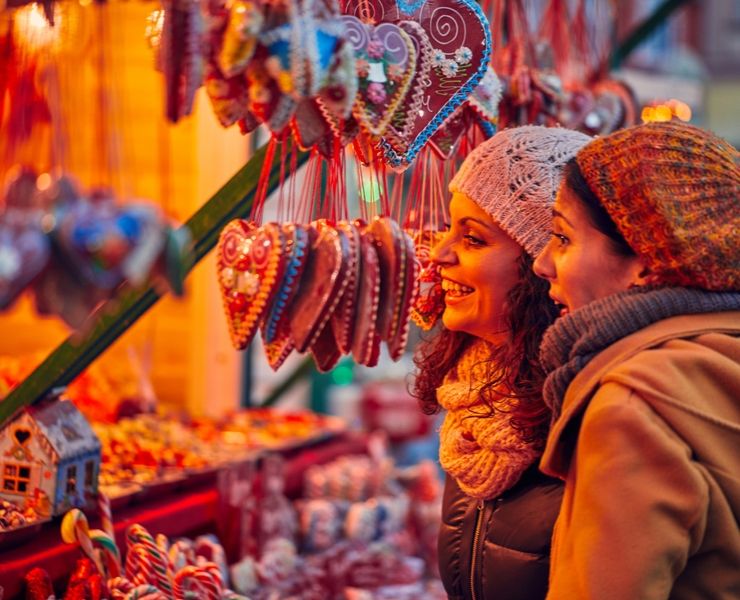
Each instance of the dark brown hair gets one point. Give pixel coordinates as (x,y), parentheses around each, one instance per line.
(513,366)
(597,215)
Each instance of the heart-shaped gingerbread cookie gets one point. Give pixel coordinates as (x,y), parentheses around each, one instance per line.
(366,338)
(343,320)
(250,263)
(321,287)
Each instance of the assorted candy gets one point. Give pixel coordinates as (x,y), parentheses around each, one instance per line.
(372,545)
(153,568)
(148,449)
(13,516)
(329,289)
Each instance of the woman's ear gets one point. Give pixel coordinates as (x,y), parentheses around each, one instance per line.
(642,275)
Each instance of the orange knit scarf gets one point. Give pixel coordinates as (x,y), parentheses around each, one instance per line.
(482,451)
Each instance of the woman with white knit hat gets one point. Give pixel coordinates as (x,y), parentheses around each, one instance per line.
(481,367)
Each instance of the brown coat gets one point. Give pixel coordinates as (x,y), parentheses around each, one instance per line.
(648,443)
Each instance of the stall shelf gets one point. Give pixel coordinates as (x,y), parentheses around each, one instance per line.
(185,511)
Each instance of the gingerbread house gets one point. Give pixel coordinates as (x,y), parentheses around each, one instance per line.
(50,455)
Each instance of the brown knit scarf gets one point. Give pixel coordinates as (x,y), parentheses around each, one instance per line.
(482,451)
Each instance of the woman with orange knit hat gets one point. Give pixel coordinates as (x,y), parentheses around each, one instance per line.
(481,367)
(644,367)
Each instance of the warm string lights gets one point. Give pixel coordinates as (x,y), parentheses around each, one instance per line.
(666,111)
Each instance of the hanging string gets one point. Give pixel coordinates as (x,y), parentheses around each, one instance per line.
(258,206)
(281,208)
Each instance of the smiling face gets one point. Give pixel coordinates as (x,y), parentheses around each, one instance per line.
(479,267)
(581,262)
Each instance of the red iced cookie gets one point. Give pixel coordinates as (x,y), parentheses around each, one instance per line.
(250,266)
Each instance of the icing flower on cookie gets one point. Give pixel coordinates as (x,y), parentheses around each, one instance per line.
(463,55)
(449,68)
(376,93)
(439,58)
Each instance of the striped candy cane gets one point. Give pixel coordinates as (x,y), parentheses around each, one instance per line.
(137,534)
(139,568)
(204,581)
(145,592)
(107,545)
(119,587)
(106,516)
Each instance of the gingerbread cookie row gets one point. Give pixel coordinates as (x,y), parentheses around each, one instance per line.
(325,288)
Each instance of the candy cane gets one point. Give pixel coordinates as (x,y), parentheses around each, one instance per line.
(108,547)
(139,568)
(137,534)
(147,591)
(119,587)
(75,529)
(180,555)
(205,580)
(106,516)
(215,572)
(162,543)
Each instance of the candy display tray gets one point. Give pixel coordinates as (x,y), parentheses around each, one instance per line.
(11,538)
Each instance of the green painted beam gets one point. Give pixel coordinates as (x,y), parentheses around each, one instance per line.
(71,357)
(643,31)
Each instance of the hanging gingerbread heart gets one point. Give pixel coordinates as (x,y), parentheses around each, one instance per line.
(24,252)
(391,248)
(309,125)
(446,140)
(321,287)
(338,94)
(461,40)
(343,319)
(385,64)
(281,346)
(366,338)
(297,244)
(181,55)
(250,263)
(400,128)
(325,351)
(400,333)
(429,302)
(229,96)
(239,38)
(486,97)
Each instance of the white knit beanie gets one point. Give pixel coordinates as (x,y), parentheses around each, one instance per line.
(514,177)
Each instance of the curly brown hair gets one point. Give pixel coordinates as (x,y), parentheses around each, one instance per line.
(515,379)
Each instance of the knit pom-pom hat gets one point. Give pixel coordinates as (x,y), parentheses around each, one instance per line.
(673,190)
(514,177)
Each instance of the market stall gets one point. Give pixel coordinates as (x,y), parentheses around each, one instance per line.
(322,246)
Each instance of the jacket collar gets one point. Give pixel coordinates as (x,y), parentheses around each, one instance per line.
(563,433)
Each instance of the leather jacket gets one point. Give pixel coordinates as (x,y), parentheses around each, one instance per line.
(500,546)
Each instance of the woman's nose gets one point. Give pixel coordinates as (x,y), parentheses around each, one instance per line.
(442,253)
(543,266)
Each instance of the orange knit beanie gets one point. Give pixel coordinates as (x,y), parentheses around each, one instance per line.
(673,190)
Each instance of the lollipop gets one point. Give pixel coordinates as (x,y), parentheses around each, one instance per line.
(75,529)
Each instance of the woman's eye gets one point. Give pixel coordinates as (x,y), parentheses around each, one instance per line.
(562,240)
(472,240)
(447,226)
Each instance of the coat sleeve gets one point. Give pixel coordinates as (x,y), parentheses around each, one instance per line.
(634,508)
